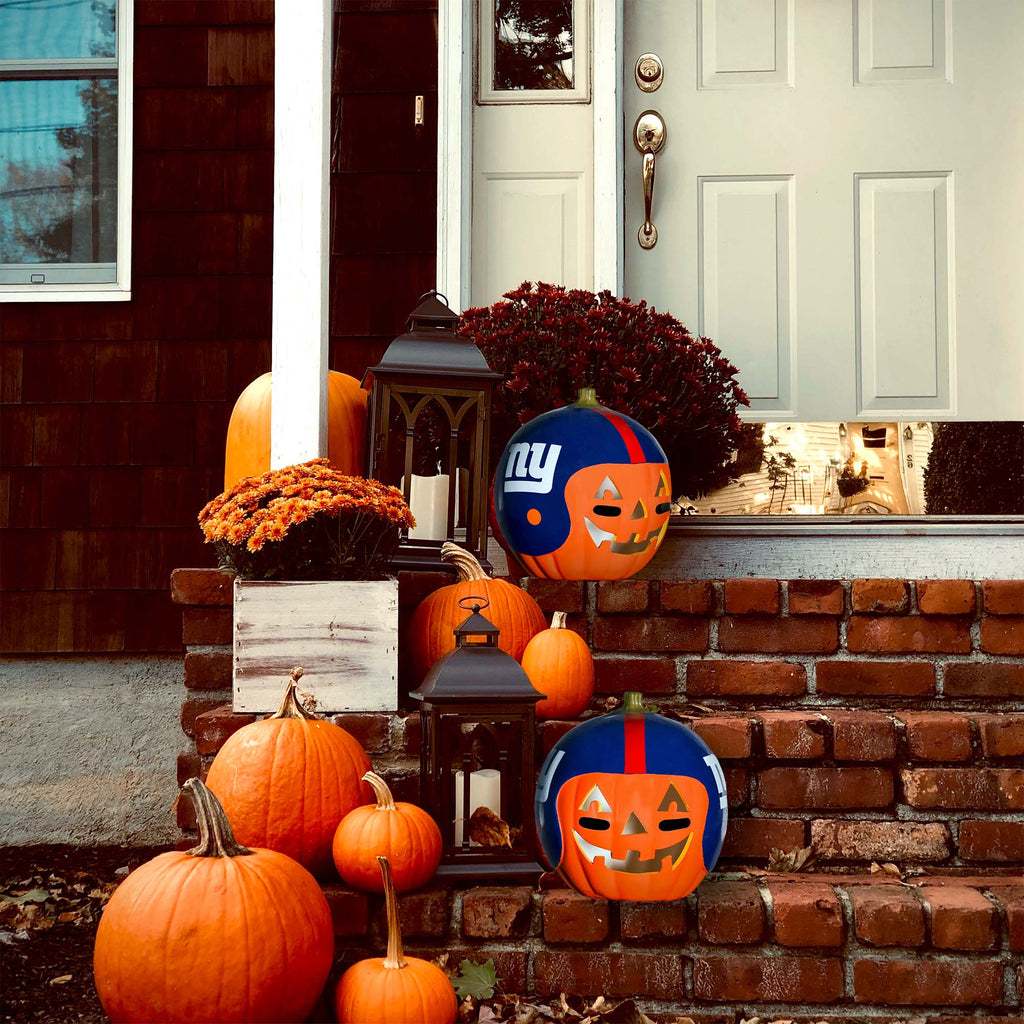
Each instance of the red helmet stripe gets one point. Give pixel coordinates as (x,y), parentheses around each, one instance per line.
(636,453)
(636,753)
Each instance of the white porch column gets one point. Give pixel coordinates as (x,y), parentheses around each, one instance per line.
(302,120)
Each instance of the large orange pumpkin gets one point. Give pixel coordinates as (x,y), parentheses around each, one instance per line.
(511,609)
(287,781)
(218,933)
(560,665)
(398,989)
(247,451)
(402,832)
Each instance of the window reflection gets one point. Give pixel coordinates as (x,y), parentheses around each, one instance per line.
(880,468)
(61,29)
(58,171)
(533,44)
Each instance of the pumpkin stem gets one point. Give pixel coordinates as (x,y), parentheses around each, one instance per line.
(215,836)
(465,563)
(558,620)
(385,801)
(395,960)
(632,701)
(586,398)
(291,706)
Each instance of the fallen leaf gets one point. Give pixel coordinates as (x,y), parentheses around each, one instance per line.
(33,896)
(477,980)
(62,980)
(885,869)
(794,860)
(487,829)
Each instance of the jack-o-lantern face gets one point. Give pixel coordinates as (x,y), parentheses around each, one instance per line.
(583,493)
(634,837)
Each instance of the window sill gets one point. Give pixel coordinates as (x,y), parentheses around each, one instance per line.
(65,293)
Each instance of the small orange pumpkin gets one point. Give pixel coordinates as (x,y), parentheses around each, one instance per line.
(397,989)
(560,665)
(287,780)
(404,833)
(511,609)
(247,450)
(220,932)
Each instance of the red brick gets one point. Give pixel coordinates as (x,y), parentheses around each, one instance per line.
(662,923)
(937,736)
(824,788)
(628,633)
(1003,597)
(815,597)
(1012,900)
(1003,635)
(997,789)
(728,737)
(876,678)
(206,625)
(984,679)
(424,913)
(557,595)
(729,913)
(202,586)
(908,634)
(214,727)
(208,670)
(490,912)
(191,708)
(649,675)
(745,679)
(755,838)
(748,597)
(901,841)
(737,786)
(1001,735)
(639,975)
(961,918)
(373,731)
(190,766)
(887,915)
(862,735)
(919,982)
(946,597)
(880,597)
(408,734)
(617,596)
(771,979)
(687,597)
(349,910)
(793,735)
(806,914)
(767,634)
(999,841)
(570,917)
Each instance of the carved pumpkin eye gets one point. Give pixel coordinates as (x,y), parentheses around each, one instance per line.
(662,490)
(662,507)
(596,823)
(671,799)
(673,824)
(607,487)
(607,510)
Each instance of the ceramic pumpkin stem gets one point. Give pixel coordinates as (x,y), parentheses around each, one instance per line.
(385,801)
(586,397)
(465,563)
(395,960)
(291,706)
(558,620)
(215,836)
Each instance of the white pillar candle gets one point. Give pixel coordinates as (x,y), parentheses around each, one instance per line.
(484,791)
(428,500)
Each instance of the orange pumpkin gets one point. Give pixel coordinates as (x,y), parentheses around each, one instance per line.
(287,780)
(397,989)
(216,933)
(560,665)
(404,833)
(511,609)
(247,451)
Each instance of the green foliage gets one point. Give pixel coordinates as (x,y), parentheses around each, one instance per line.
(476,980)
(975,469)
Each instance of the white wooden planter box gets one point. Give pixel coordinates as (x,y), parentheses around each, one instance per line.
(344,634)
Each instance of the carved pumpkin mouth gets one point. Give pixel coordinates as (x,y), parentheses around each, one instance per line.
(621,547)
(632,864)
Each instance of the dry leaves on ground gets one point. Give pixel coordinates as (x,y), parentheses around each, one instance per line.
(564,1010)
(40,901)
(794,860)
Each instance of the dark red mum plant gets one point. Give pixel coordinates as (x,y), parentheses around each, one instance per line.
(549,342)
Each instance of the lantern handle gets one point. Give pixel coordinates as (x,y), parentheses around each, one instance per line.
(436,294)
(473,607)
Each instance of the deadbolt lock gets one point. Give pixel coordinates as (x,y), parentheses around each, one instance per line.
(649,71)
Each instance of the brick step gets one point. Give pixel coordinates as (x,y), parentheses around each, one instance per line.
(774,945)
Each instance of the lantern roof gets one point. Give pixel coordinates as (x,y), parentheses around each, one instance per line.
(431,348)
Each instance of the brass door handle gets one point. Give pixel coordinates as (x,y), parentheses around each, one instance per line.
(648,137)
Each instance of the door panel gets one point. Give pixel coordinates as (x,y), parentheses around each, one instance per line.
(838,201)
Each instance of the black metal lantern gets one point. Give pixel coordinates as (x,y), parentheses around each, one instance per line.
(477,714)
(429,434)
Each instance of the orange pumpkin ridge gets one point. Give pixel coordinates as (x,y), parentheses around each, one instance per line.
(560,665)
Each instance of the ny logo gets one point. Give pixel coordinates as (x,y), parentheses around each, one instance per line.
(531,467)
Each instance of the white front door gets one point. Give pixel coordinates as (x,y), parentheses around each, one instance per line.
(839,202)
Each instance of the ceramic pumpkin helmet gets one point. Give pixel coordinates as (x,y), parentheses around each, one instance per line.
(631,806)
(583,493)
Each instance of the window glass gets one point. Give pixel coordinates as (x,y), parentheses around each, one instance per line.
(57,29)
(533,44)
(894,468)
(58,179)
